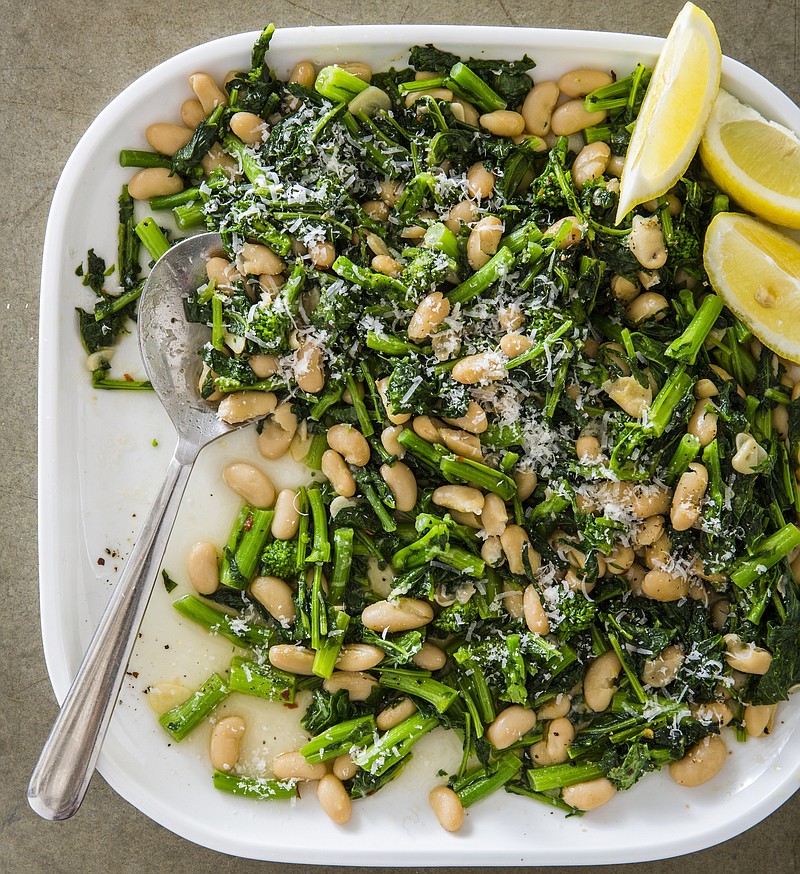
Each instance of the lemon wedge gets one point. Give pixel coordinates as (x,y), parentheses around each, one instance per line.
(756,271)
(755,161)
(674,111)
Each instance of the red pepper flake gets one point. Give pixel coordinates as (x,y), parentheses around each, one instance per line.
(127,377)
(101,561)
(291,706)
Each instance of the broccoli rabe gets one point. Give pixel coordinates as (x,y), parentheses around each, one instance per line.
(269,327)
(279,559)
(457,618)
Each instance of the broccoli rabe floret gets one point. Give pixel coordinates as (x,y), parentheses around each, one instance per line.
(337,309)
(576,614)
(271,325)
(543,321)
(684,248)
(279,559)
(425,270)
(456,618)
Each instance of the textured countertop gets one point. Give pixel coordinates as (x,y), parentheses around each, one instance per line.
(62,62)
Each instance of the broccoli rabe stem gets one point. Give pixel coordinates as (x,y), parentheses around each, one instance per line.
(188,215)
(217,325)
(636,686)
(128,245)
(361,411)
(686,347)
(319,612)
(342,560)
(261,680)
(238,631)
(678,385)
(247,160)
(345,268)
(420,686)
(442,239)
(767,554)
(421,85)
(152,237)
(338,739)
(170,201)
(254,787)
(138,158)
(318,446)
(389,344)
(685,453)
(245,546)
(494,269)
(338,85)
(321,545)
(470,86)
(485,477)
(519,789)
(100,379)
(328,651)
(539,349)
(111,305)
(481,784)
(368,491)
(184,718)
(429,453)
(395,744)
(559,776)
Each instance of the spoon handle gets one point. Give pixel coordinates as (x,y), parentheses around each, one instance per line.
(62,774)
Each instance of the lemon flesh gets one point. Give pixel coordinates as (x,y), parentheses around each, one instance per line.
(755,161)
(674,111)
(756,271)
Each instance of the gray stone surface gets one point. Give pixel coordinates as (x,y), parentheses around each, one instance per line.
(61,61)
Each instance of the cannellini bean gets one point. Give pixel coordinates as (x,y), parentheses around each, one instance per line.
(395,418)
(705,388)
(276,597)
(649,531)
(427,428)
(462,213)
(277,432)
(430,657)
(376,209)
(553,749)
(167,138)
(293,766)
(526,481)
(703,422)
(573,235)
(629,394)
(192,113)
(248,126)
(484,238)
(759,719)
(448,808)
(464,111)
(255,259)
(516,546)
(623,289)
(461,443)
(503,123)
(304,73)
(510,725)
(334,799)
(702,762)
(223,273)
(241,406)
(749,454)
(217,158)
(588,449)
(746,657)
(492,551)
(202,567)
(510,317)
(322,254)
(661,585)
(404,614)
(481,367)
(154,182)
(646,241)
(556,707)
(287,517)
(590,163)
(308,370)
(357,684)
(600,681)
(513,602)
(358,657)
(226,740)
(370,101)
(474,420)
(648,305)
(494,516)
(571,117)
(538,106)
(359,70)
(165,695)
(350,443)
(251,483)
(535,617)
(462,498)
(590,794)
(207,92)
(336,470)
(344,767)
(395,713)
(386,265)
(515,344)
(403,484)
(431,311)
(619,559)
(390,442)
(480,181)
(662,669)
(712,712)
(579,83)
(263,365)
(292,658)
(688,497)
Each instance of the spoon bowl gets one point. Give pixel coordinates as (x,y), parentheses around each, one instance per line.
(170,347)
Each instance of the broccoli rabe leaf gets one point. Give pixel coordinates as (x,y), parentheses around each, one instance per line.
(629,769)
(326,710)
(782,641)
(415,387)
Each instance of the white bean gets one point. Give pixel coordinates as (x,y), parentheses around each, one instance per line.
(251,483)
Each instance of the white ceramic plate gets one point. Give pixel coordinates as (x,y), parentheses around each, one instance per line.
(99,470)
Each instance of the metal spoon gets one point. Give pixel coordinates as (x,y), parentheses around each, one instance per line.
(169,346)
